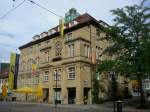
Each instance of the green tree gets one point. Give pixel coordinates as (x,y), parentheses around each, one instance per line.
(96,90)
(130,39)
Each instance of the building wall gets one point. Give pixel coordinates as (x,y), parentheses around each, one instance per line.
(82,63)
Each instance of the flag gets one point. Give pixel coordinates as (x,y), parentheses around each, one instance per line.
(40,91)
(12,70)
(4,90)
(34,67)
(61,26)
(93,57)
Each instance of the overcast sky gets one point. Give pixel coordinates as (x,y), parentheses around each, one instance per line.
(21,25)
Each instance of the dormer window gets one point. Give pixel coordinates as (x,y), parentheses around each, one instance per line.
(44,34)
(52,31)
(75,22)
(36,37)
(71,24)
(69,36)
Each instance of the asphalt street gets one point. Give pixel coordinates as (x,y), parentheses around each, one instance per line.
(37,107)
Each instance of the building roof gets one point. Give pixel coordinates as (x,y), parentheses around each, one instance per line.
(82,20)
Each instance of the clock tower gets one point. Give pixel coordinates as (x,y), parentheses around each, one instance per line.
(71,15)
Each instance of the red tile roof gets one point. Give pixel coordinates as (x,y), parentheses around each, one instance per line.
(82,20)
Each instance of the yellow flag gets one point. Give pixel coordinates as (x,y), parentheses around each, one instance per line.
(40,91)
(33,69)
(4,90)
(61,26)
(12,70)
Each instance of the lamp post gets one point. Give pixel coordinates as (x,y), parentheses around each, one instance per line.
(56,90)
(114,88)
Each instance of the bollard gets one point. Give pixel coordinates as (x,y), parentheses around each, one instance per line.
(119,106)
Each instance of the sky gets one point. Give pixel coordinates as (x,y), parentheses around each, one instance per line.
(19,26)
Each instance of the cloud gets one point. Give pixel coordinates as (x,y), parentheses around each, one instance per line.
(28,20)
(8,35)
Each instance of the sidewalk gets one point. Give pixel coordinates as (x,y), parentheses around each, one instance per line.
(45,107)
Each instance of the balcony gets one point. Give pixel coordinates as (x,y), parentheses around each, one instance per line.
(57,58)
(44,64)
(45,48)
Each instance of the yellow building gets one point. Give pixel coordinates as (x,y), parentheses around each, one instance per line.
(63,64)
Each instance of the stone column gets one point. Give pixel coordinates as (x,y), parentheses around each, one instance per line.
(64,94)
(90,97)
(79,86)
(79,95)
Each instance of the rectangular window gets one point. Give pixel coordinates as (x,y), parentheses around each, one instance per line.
(46,76)
(88,53)
(69,36)
(57,74)
(37,60)
(98,50)
(87,50)
(71,72)
(71,50)
(97,33)
(46,56)
(57,94)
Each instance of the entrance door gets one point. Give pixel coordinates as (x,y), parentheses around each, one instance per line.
(86,95)
(71,95)
(46,94)
(57,95)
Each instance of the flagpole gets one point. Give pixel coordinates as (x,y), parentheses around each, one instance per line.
(56,91)
(91,63)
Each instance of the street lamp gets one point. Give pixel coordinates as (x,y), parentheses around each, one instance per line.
(56,89)
(114,87)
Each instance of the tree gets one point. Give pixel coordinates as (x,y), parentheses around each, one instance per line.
(96,90)
(131,43)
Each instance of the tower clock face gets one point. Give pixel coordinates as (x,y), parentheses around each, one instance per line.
(58,46)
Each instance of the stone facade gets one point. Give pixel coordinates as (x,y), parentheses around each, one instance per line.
(67,59)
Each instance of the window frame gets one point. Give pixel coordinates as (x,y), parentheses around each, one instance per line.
(69,38)
(71,50)
(87,50)
(46,60)
(46,76)
(58,74)
(71,72)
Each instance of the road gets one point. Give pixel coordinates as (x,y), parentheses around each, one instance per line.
(36,107)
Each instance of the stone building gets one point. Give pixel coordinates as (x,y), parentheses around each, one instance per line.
(63,64)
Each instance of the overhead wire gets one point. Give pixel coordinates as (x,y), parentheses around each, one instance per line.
(11,10)
(35,3)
